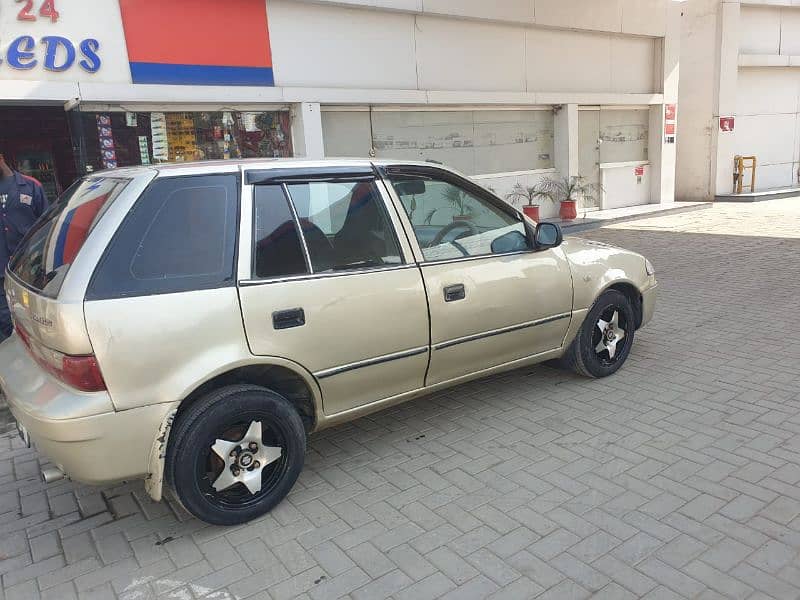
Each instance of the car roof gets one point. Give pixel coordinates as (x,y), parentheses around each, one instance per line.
(234,165)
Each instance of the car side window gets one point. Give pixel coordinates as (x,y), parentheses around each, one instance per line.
(453,222)
(345,225)
(277,248)
(179,236)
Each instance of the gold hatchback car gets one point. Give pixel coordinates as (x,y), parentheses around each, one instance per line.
(191,324)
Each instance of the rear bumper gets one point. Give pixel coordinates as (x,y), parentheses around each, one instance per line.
(649,297)
(79,432)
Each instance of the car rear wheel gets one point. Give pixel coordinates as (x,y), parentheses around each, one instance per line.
(605,338)
(235,454)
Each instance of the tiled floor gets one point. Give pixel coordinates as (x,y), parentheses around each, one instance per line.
(676,478)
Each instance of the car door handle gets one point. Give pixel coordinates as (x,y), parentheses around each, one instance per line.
(286,319)
(454,292)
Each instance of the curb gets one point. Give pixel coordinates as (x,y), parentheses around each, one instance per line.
(589,224)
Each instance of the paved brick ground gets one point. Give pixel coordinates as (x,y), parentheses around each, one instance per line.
(677,478)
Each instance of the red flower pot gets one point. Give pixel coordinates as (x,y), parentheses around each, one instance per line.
(569,210)
(531,211)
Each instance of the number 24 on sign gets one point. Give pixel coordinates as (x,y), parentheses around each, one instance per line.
(47,9)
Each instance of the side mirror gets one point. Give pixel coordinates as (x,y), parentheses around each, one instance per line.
(548,235)
(513,241)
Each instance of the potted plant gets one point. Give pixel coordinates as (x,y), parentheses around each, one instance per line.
(528,194)
(457,199)
(567,191)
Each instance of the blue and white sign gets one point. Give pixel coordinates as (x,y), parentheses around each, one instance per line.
(62,40)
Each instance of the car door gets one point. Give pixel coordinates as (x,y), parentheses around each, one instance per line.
(493,298)
(327,283)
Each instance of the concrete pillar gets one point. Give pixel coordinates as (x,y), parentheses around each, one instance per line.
(663,156)
(307,130)
(725,97)
(566,140)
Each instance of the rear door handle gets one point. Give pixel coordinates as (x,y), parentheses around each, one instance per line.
(286,319)
(455,292)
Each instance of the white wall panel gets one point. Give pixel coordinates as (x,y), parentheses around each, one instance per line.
(581,64)
(588,62)
(644,17)
(760,30)
(790,31)
(408,5)
(632,62)
(466,55)
(599,15)
(506,10)
(317,45)
(767,91)
(346,133)
(771,138)
(774,176)
(623,187)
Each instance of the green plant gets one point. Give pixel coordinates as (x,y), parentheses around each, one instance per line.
(563,189)
(526,194)
(458,200)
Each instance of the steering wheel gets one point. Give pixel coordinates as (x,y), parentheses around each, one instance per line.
(467,225)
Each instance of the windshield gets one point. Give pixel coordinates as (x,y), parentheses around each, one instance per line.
(48,250)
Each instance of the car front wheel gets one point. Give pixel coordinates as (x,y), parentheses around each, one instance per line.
(605,338)
(235,453)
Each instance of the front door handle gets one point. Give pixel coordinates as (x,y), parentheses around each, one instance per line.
(286,319)
(454,292)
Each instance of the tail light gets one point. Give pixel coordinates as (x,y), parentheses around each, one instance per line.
(80,372)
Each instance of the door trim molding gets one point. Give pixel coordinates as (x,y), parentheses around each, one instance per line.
(370,362)
(494,332)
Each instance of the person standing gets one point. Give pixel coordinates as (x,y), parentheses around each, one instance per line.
(22,201)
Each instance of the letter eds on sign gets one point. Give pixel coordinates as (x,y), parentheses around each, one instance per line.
(60,53)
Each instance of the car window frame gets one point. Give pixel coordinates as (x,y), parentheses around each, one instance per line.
(467,185)
(283,178)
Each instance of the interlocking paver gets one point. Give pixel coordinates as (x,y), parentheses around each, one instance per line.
(677,477)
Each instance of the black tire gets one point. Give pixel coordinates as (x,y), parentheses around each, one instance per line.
(582,356)
(192,467)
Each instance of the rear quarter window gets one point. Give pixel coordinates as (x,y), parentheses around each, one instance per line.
(48,250)
(180,236)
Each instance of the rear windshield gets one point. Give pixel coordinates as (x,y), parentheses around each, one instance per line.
(47,252)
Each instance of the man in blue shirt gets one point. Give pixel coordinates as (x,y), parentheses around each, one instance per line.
(22,201)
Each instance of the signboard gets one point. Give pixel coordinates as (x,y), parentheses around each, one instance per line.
(204,42)
(670,118)
(62,40)
(726,124)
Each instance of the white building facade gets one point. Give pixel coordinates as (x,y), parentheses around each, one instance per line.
(507,91)
(739,96)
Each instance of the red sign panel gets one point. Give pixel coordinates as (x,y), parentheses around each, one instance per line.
(198,42)
(670,111)
(639,171)
(726,123)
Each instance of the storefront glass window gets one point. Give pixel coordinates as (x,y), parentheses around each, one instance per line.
(476,142)
(623,135)
(122,139)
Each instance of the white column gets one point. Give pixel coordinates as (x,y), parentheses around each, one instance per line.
(725,96)
(566,140)
(662,156)
(307,130)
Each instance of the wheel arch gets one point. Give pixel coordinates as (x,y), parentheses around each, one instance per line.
(287,378)
(632,293)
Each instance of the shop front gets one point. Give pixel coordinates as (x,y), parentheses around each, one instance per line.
(500,96)
(37,141)
(113,137)
(57,57)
